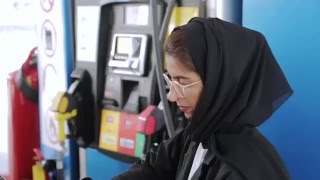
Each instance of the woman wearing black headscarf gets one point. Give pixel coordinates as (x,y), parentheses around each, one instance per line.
(226,81)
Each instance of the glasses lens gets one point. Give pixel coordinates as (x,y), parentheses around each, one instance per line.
(178,88)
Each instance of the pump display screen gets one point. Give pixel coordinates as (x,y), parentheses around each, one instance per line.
(124,45)
(128,46)
(128,53)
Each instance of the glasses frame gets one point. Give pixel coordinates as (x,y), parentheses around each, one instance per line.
(183,87)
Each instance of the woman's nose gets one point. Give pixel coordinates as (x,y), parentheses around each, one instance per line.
(172,95)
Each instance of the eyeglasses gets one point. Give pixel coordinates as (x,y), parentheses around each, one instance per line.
(179,88)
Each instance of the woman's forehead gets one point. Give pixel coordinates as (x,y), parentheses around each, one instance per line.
(175,65)
(176,69)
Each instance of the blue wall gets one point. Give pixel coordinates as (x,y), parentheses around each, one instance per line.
(292,29)
(100,166)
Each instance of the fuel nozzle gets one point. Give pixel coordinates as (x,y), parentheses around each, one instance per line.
(76,107)
(65,107)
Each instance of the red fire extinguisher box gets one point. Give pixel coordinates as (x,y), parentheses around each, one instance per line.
(23,119)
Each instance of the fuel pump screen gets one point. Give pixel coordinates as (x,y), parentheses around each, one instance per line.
(128,54)
(124,45)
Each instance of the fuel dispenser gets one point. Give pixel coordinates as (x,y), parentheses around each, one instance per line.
(123,73)
(129,89)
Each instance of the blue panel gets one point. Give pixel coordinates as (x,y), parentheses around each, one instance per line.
(100,166)
(73,166)
(292,29)
(68,31)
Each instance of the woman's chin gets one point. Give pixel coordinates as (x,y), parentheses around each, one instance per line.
(188,115)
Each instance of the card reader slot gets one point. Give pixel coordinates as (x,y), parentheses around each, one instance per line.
(130,92)
(109,102)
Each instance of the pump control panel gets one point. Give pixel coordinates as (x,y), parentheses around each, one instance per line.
(128,54)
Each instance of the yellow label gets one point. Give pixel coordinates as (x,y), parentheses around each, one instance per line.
(109,131)
(38,172)
(180,16)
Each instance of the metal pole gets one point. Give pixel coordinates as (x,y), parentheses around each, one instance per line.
(165,21)
(159,70)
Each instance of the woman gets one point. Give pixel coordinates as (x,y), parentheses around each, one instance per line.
(226,81)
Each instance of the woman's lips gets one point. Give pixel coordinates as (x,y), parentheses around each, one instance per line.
(184,108)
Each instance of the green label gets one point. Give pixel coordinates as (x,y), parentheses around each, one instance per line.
(140,141)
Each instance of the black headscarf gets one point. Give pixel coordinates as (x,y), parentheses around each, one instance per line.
(243,86)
